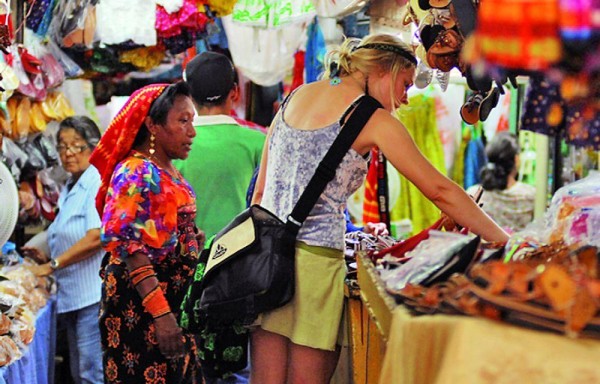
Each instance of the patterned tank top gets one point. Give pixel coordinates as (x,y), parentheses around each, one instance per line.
(293,158)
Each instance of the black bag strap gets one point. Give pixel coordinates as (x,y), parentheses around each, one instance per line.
(325,172)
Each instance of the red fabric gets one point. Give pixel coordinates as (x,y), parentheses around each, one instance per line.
(187,17)
(399,250)
(298,73)
(118,139)
(370,204)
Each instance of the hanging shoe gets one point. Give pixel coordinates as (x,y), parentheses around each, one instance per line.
(469,112)
(489,103)
(443,79)
(424,75)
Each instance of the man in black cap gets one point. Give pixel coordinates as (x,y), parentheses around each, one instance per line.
(224,154)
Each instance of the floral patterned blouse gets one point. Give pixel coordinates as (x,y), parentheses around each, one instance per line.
(140,214)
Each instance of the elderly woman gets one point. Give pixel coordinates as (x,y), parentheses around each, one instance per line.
(75,250)
(148,230)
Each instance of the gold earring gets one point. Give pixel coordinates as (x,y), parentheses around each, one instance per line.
(152,150)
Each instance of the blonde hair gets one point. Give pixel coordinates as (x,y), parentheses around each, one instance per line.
(349,59)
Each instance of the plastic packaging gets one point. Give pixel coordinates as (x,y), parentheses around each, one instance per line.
(574,213)
(428,256)
(10,256)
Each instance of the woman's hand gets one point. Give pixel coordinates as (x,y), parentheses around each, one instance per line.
(376,229)
(41,270)
(169,336)
(35,254)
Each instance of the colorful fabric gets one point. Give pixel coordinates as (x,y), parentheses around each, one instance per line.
(298,72)
(118,139)
(545,109)
(272,13)
(221,7)
(521,34)
(37,14)
(315,52)
(179,30)
(147,211)
(141,208)
(144,58)
(475,159)
(420,121)
(370,204)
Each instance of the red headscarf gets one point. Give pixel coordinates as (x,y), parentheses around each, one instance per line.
(118,139)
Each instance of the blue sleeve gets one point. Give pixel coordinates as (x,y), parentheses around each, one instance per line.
(349,226)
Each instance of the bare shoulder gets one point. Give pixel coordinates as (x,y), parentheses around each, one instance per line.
(319,104)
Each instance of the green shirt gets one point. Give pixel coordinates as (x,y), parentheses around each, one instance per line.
(219,168)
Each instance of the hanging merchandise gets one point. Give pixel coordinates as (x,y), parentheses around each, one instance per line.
(28,70)
(74,23)
(40,15)
(53,73)
(298,72)
(475,157)
(105,60)
(370,208)
(144,58)
(338,8)
(179,30)
(221,7)
(171,6)
(272,13)
(119,21)
(268,58)
(420,121)
(70,67)
(18,113)
(315,52)
(546,112)
(519,34)
(9,81)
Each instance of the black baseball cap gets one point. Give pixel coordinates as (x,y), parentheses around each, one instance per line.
(211,76)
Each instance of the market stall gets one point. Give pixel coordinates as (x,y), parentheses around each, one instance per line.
(471,83)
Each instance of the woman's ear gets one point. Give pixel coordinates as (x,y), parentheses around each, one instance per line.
(150,125)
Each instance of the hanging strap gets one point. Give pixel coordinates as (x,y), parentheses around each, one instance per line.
(325,172)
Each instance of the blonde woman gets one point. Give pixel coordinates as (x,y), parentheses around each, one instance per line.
(297,343)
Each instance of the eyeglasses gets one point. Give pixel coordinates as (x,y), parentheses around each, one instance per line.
(75,149)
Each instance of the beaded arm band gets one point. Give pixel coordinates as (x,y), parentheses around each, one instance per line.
(154,302)
(140,274)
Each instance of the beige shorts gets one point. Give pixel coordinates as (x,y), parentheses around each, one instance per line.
(312,318)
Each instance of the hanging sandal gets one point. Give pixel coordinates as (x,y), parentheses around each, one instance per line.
(489,102)
(469,112)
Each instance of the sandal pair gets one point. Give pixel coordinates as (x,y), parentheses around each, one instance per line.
(479,105)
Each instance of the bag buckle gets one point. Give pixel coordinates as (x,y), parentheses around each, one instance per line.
(290,219)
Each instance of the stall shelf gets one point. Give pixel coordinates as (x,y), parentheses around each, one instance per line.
(432,349)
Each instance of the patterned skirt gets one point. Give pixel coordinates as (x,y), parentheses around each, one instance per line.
(130,348)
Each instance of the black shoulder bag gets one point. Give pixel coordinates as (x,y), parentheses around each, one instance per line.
(249,267)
